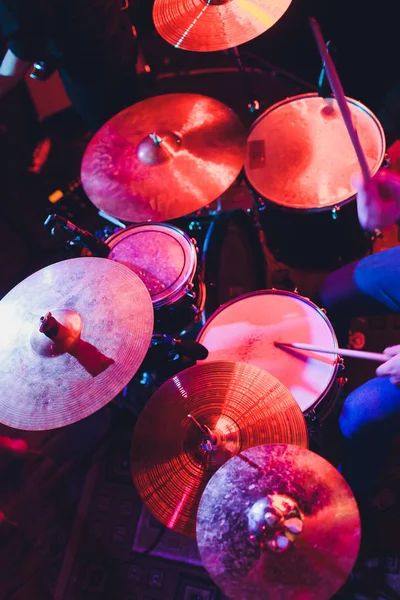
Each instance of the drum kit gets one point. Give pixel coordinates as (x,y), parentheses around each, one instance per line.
(219,451)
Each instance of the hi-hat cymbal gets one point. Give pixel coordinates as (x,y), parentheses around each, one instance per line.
(208,25)
(278,522)
(164,158)
(58,369)
(233,406)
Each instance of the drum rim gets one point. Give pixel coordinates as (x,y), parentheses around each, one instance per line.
(323,209)
(172,294)
(271,291)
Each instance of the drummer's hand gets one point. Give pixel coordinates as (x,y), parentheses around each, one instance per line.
(391,368)
(378,202)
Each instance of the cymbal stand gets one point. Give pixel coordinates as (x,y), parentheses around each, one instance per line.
(253,104)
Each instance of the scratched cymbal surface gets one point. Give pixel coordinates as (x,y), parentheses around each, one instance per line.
(241,405)
(210,25)
(164,157)
(107,315)
(278,522)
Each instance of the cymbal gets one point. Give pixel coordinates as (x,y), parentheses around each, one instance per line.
(278,522)
(58,369)
(164,158)
(209,25)
(233,406)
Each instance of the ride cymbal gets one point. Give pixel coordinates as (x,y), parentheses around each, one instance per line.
(233,406)
(164,158)
(209,25)
(72,336)
(278,522)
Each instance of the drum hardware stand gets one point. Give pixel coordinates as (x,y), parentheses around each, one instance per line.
(253,105)
(188,348)
(323,89)
(314,429)
(111,219)
(278,70)
(55,223)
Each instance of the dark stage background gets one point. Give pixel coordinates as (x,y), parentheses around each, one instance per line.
(77,510)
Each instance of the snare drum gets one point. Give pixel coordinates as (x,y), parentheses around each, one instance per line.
(165,259)
(246,328)
(300,163)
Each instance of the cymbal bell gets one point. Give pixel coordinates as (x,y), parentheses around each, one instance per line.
(232,406)
(163,158)
(279,522)
(72,336)
(210,25)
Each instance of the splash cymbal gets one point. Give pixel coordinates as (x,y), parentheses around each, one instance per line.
(278,522)
(72,336)
(164,158)
(209,25)
(233,406)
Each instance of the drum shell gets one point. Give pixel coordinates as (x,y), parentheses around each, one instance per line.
(245,329)
(230,261)
(299,165)
(319,241)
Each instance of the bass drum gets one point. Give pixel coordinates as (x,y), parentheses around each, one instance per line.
(300,163)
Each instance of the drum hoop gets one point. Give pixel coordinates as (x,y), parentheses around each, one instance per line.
(273,291)
(341,203)
(171,294)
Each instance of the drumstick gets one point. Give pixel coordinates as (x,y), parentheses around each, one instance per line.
(338,93)
(342,351)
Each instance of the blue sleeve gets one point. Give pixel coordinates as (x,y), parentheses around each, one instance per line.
(23,23)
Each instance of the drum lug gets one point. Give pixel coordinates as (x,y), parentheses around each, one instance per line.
(375,235)
(323,310)
(194,242)
(386,161)
(195,226)
(190,292)
(261,205)
(311,417)
(335,212)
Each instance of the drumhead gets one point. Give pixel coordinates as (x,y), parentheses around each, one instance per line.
(299,154)
(246,328)
(162,255)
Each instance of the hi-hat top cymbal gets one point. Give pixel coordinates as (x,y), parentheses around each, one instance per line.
(278,522)
(208,25)
(164,158)
(232,406)
(72,336)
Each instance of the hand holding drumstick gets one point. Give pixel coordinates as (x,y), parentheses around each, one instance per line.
(378,199)
(390,357)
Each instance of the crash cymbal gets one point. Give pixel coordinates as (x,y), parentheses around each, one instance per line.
(59,368)
(278,522)
(233,406)
(164,157)
(208,25)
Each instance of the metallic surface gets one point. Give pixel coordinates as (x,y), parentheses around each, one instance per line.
(323,549)
(243,406)
(163,158)
(104,308)
(209,25)
(163,256)
(300,156)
